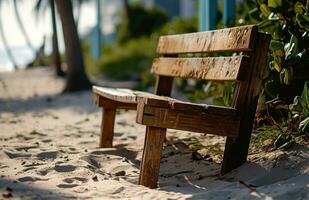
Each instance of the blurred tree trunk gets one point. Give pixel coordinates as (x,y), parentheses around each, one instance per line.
(56,55)
(127,10)
(76,76)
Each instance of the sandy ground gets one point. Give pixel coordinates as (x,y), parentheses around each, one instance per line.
(49,150)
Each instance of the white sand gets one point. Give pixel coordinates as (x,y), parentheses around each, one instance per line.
(49,150)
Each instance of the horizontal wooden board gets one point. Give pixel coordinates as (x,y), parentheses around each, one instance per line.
(119,94)
(230,39)
(211,68)
(170,103)
(109,103)
(209,123)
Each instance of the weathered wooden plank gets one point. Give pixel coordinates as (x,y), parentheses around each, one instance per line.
(212,68)
(246,97)
(119,94)
(150,166)
(154,138)
(210,123)
(232,39)
(167,102)
(107,128)
(116,94)
(108,103)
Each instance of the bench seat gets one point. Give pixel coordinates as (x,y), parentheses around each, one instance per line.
(158,111)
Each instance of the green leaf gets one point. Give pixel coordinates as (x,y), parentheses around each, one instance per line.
(295,60)
(277,66)
(287,75)
(284,142)
(264,9)
(273,17)
(303,21)
(299,8)
(301,103)
(291,48)
(260,1)
(296,108)
(271,88)
(276,45)
(305,97)
(274,3)
(304,125)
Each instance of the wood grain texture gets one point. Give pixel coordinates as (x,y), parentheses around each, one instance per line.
(150,166)
(211,123)
(107,128)
(247,94)
(231,39)
(118,94)
(109,103)
(154,138)
(212,68)
(174,104)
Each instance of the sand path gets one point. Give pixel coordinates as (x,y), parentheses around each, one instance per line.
(49,150)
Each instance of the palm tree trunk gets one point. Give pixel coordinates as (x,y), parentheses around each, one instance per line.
(22,28)
(76,75)
(56,55)
(5,44)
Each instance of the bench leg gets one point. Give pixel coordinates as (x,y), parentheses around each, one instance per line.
(150,166)
(107,127)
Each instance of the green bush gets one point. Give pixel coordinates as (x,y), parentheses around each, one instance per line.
(300,109)
(127,61)
(131,60)
(139,22)
(288,23)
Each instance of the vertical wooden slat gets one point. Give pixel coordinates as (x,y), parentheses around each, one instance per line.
(107,127)
(164,86)
(154,138)
(236,149)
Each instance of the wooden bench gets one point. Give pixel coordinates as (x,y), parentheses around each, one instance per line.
(184,56)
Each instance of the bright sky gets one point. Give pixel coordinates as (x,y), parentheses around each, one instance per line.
(36,29)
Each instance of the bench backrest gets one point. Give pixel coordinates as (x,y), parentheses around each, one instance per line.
(179,54)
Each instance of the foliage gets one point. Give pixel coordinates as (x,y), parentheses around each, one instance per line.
(131,60)
(264,136)
(127,61)
(139,22)
(288,23)
(300,109)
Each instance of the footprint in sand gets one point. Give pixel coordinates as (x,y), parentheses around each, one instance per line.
(13,155)
(26,148)
(31,179)
(47,155)
(67,185)
(74,179)
(92,160)
(64,168)
(28,169)
(47,140)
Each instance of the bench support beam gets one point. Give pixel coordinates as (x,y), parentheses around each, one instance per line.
(150,166)
(107,127)
(246,98)
(154,138)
